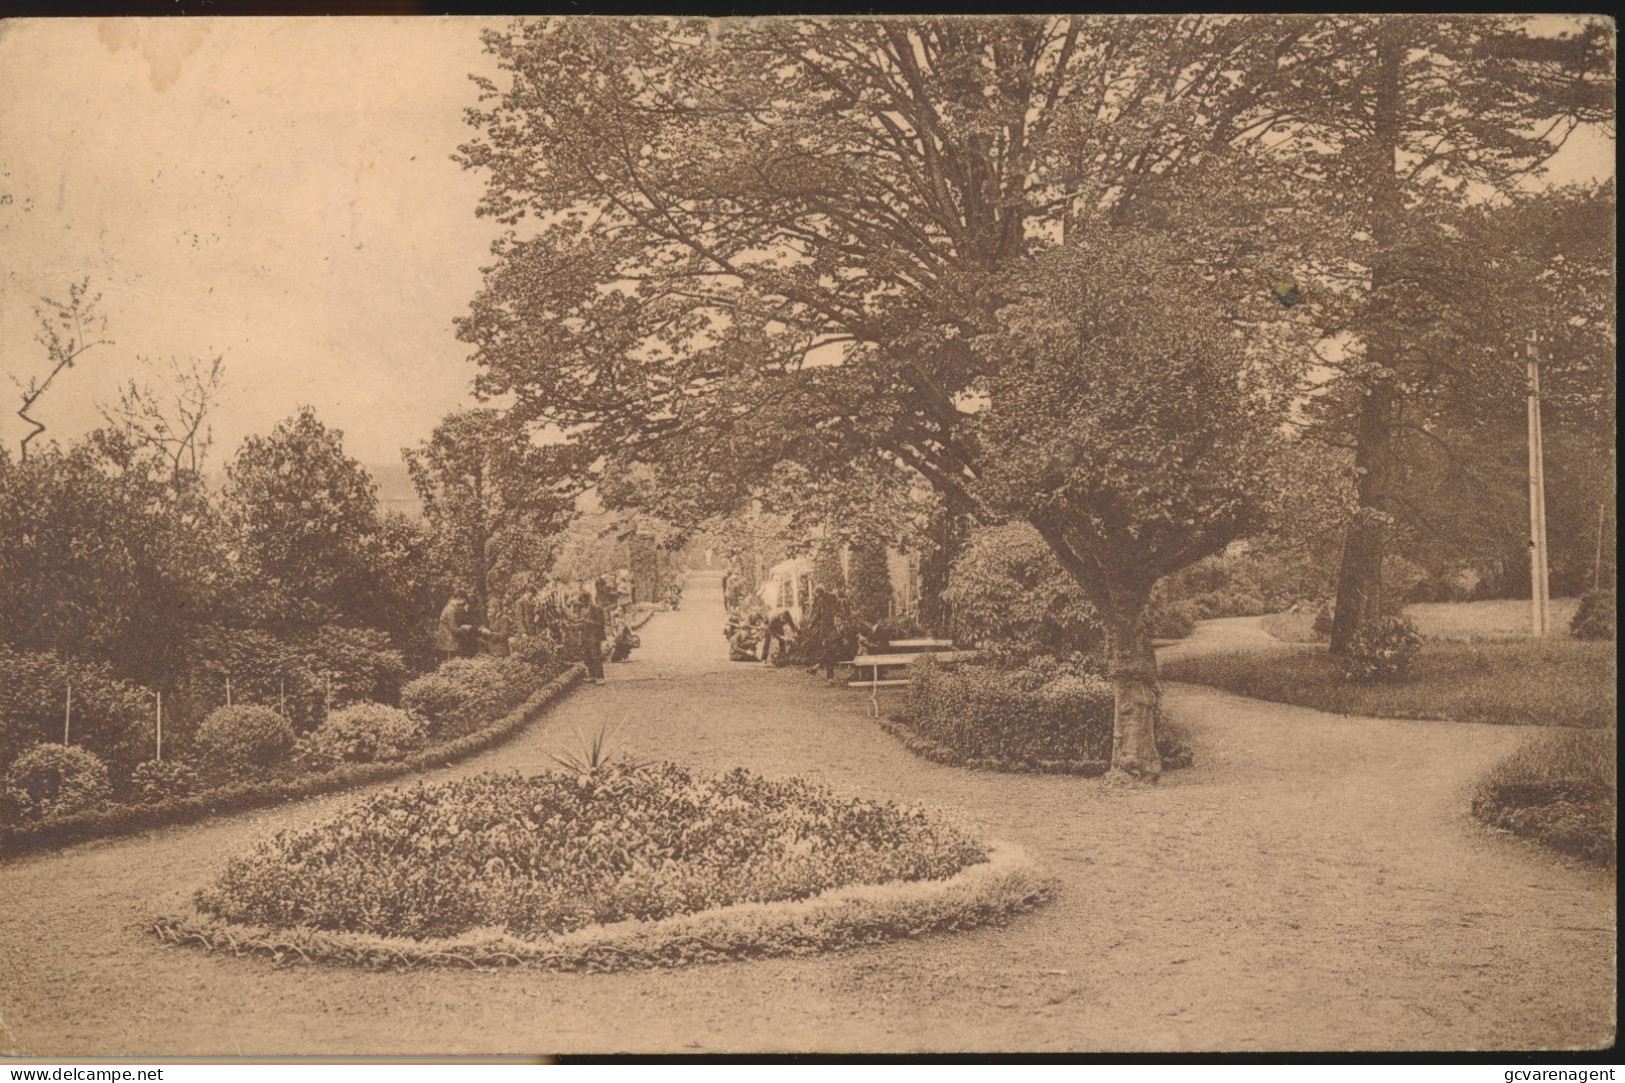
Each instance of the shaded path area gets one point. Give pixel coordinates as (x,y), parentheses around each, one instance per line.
(1315,882)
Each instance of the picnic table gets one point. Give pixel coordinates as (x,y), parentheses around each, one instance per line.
(892,662)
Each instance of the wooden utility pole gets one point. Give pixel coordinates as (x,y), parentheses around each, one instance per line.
(67,714)
(1539,586)
(159,727)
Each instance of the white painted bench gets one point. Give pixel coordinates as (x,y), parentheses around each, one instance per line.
(875,663)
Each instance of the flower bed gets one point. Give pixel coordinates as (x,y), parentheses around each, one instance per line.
(987,893)
(631,865)
(119,819)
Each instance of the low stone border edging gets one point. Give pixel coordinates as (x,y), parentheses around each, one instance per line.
(243,796)
(1005,884)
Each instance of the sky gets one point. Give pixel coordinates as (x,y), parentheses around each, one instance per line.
(280,191)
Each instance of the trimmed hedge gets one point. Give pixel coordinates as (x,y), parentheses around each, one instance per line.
(1045,716)
(241,796)
(981,894)
(361,733)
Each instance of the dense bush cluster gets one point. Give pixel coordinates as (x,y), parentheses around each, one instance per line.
(213,797)
(1042,713)
(302,672)
(466,693)
(558,852)
(53,780)
(112,718)
(1010,594)
(1382,650)
(1561,789)
(1597,617)
(362,733)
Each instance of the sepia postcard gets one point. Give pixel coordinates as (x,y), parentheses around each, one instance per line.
(1020,534)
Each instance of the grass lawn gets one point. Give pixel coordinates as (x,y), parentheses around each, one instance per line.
(1467,621)
(1517,683)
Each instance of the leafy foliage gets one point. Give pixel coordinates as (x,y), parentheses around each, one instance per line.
(112,718)
(102,556)
(482,483)
(466,694)
(1171,620)
(1043,712)
(162,780)
(1381,651)
(554,853)
(1010,593)
(249,793)
(306,516)
(54,780)
(244,737)
(300,671)
(868,583)
(361,733)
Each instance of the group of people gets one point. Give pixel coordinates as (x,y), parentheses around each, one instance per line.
(585,626)
(752,637)
(830,635)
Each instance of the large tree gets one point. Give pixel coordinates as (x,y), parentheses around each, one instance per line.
(104,556)
(1402,128)
(840,244)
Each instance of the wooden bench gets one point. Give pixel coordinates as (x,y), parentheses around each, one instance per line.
(874,663)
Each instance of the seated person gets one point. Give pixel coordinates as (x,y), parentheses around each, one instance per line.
(622,642)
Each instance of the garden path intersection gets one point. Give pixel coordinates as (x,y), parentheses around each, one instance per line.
(1314,882)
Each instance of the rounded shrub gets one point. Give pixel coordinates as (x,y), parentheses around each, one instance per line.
(559,852)
(1597,617)
(362,733)
(55,780)
(1383,650)
(246,736)
(160,780)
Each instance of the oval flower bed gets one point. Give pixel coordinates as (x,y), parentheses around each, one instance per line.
(619,866)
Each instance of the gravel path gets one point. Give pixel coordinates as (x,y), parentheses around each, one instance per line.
(1314,883)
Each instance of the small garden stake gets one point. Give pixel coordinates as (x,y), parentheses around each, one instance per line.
(159,754)
(67,715)
(228,691)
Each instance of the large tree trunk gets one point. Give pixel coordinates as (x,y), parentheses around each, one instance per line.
(1133,673)
(1359,576)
